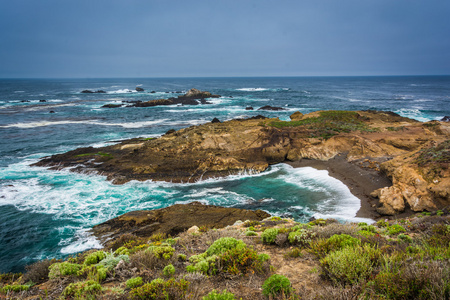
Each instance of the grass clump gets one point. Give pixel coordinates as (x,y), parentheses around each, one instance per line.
(214,295)
(276,285)
(322,247)
(14,288)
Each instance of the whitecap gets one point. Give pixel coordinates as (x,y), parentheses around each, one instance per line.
(90,122)
(413,114)
(83,240)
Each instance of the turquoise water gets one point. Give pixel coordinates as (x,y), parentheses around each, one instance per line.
(48,213)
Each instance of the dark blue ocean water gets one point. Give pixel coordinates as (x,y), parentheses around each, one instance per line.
(47,214)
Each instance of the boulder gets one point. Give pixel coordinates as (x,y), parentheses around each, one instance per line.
(445,119)
(173,220)
(296,116)
(139,89)
(249,108)
(215,120)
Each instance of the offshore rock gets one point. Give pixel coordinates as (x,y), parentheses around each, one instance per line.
(268,107)
(192,97)
(173,220)
(139,89)
(414,155)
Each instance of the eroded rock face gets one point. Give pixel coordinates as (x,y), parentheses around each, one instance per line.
(173,220)
(220,149)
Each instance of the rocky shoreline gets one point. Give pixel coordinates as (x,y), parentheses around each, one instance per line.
(414,156)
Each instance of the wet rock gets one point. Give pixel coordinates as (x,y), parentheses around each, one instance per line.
(152,92)
(215,120)
(268,107)
(249,108)
(170,131)
(92,92)
(51,112)
(112,105)
(445,119)
(173,220)
(42,100)
(139,89)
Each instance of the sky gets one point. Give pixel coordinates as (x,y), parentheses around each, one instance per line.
(220,38)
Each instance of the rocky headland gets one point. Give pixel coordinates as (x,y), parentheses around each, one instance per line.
(414,156)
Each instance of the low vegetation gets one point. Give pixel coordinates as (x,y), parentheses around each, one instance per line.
(329,123)
(400,259)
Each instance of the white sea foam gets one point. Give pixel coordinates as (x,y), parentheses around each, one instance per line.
(82,241)
(259,89)
(90,122)
(413,114)
(122,91)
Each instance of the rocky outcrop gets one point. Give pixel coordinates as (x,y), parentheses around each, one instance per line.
(268,107)
(296,116)
(139,89)
(192,97)
(405,150)
(93,92)
(173,220)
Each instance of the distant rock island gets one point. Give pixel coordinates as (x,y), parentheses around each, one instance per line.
(415,156)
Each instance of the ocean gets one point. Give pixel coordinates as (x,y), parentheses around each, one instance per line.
(47,214)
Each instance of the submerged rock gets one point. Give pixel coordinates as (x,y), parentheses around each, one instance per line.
(173,220)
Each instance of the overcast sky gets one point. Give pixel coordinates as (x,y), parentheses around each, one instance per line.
(171,38)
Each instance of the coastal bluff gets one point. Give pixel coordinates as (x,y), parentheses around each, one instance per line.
(414,155)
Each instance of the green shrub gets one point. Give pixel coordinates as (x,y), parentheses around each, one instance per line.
(214,295)
(318,222)
(301,237)
(96,272)
(382,223)
(224,244)
(269,235)
(160,289)
(94,258)
(362,224)
(63,269)
(250,233)
(14,288)
(276,285)
(169,270)
(395,229)
(405,238)
(122,251)
(165,252)
(349,265)
(83,289)
(134,282)
(369,228)
(263,257)
(365,233)
(182,257)
(251,223)
(110,261)
(202,263)
(240,261)
(322,247)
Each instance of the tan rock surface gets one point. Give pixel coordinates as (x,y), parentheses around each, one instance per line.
(394,144)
